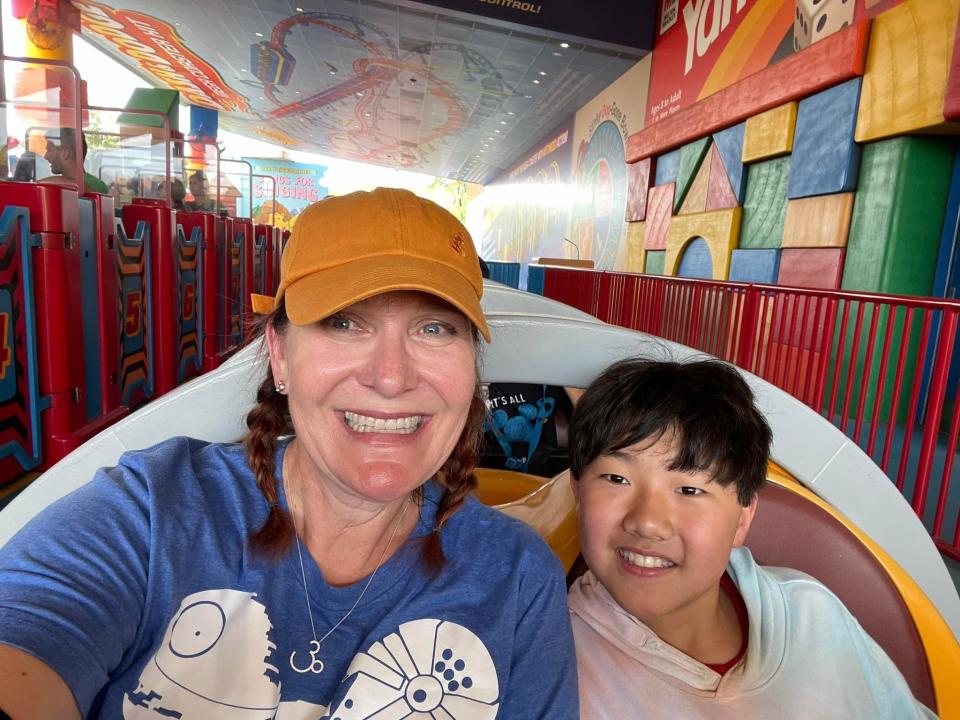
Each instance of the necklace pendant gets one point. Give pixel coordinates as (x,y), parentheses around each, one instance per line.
(315,665)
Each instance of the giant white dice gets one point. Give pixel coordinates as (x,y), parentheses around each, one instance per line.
(815,19)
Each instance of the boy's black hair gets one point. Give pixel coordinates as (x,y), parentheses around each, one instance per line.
(706,403)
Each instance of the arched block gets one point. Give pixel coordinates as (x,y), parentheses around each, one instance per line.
(720,230)
(696,260)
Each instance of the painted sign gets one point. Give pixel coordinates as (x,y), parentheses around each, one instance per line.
(527,212)
(156,48)
(707,45)
(297,185)
(601,176)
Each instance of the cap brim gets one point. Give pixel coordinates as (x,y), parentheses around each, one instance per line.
(322,293)
(262,304)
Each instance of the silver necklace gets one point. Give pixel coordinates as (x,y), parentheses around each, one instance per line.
(315,665)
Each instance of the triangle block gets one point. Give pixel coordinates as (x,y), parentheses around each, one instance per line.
(691,157)
(720,195)
(696,200)
(729,144)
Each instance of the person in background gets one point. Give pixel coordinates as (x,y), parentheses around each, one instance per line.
(177,193)
(61,153)
(336,563)
(198,192)
(675,619)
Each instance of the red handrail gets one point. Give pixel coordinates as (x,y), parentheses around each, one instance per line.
(791,337)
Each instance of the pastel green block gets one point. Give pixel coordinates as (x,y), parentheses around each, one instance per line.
(898,215)
(894,239)
(654,264)
(691,157)
(765,204)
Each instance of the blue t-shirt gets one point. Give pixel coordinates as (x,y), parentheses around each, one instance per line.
(141,591)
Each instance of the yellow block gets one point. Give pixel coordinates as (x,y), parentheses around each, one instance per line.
(635,234)
(770,133)
(908,63)
(821,221)
(721,230)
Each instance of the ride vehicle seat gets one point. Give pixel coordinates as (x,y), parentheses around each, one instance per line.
(794,528)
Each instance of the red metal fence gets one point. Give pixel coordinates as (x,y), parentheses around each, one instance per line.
(882,368)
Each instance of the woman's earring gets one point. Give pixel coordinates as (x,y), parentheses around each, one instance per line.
(281,386)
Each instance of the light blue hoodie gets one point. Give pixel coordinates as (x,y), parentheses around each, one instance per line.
(807,659)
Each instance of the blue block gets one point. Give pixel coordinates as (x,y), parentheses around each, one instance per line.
(946,281)
(825,157)
(755,266)
(729,144)
(667,166)
(696,261)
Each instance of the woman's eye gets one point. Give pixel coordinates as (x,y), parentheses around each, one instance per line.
(340,322)
(689,490)
(615,479)
(438,329)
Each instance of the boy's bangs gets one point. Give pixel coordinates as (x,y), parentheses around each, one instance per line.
(706,405)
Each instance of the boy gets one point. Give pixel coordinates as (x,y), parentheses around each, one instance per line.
(674,618)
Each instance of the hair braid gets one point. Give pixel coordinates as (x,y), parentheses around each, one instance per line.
(458,477)
(267,421)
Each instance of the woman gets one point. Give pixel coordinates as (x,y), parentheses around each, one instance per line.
(330,575)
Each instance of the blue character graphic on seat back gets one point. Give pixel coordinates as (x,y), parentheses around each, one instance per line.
(525,427)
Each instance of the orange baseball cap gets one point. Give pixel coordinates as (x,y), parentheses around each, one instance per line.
(349,248)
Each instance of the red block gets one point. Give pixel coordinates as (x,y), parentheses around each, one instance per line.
(824,64)
(659,211)
(638,184)
(811,267)
(719,193)
(951,103)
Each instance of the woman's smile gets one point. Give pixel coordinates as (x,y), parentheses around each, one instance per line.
(380,388)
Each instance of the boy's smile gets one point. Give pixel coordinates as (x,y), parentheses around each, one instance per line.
(659,540)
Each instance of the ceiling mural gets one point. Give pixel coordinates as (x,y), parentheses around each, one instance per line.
(407,86)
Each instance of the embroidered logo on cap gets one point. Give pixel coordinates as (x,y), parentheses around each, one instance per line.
(457,242)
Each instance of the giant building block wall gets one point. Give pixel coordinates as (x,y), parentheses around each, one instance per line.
(838,163)
(797,168)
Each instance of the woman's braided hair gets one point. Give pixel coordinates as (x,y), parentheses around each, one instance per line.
(270,419)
